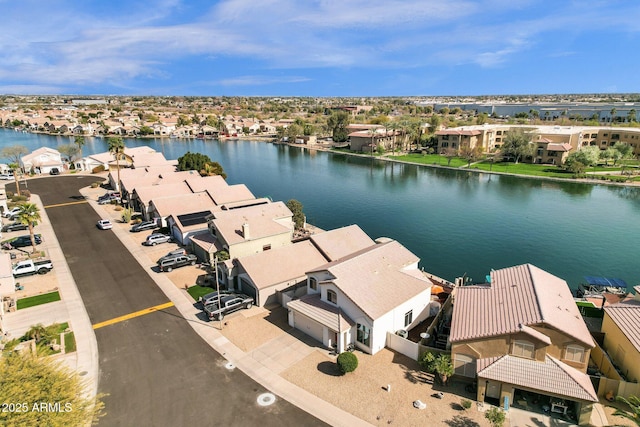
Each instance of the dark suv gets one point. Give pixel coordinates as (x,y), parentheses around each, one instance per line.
(22,241)
(169,263)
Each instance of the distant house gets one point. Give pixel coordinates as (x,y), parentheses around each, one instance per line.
(42,160)
(522,335)
(621,326)
(361,297)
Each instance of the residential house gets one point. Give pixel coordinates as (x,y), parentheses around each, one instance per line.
(266,274)
(359,298)
(621,326)
(184,214)
(42,160)
(522,335)
(141,196)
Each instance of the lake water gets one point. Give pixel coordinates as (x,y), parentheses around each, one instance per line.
(456,222)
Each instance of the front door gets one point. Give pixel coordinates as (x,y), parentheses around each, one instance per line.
(334,340)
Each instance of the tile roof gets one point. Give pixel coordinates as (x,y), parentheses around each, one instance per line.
(183,204)
(559,147)
(206,241)
(263,220)
(550,376)
(520,295)
(338,243)
(379,278)
(626,315)
(281,264)
(148,193)
(322,312)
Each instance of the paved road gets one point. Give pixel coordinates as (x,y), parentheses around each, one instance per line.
(155,369)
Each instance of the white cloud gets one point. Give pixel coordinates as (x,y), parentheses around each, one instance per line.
(260,80)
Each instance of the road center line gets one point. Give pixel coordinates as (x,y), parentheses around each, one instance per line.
(132,315)
(65,204)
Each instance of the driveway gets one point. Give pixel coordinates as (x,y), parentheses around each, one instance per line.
(154,369)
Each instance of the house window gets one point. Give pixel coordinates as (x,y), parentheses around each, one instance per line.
(523,349)
(332,296)
(266,247)
(408,318)
(313,283)
(464,365)
(364,335)
(445,144)
(574,353)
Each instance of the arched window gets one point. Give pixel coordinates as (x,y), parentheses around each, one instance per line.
(332,296)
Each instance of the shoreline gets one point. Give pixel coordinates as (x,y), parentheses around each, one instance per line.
(319,147)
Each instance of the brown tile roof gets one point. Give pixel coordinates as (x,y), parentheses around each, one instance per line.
(327,314)
(148,193)
(338,243)
(626,315)
(183,204)
(206,241)
(520,295)
(550,376)
(379,278)
(262,221)
(458,132)
(281,264)
(559,147)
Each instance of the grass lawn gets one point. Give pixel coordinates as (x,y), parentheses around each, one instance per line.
(197,291)
(38,299)
(524,169)
(69,342)
(431,159)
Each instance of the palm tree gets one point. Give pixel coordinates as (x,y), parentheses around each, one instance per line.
(116,147)
(37,332)
(634,404)
(372,131)
(15,167)
(613,114)
(79,141)
(29,214)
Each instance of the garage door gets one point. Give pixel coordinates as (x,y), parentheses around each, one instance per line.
(308,326)
(246,288)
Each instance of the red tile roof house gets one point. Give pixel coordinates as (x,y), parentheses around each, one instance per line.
(522,336)
(360,298)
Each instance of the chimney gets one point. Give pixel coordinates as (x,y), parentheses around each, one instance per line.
(245,231)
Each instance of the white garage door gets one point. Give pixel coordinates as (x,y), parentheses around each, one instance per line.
(308,326)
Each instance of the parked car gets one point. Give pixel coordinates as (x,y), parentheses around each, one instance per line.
(156,238)
(175,252)
(144,225)
(6,176)
(104,224)
(22,241)
(108,195)
(28,267)
(14,226)
(228,304)
(212,297)
(12,212)
(54,171)
(169,263)
(106,200)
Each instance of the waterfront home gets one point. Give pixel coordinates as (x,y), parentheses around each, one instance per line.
(42,160)
(521,337)
(142,177)
(270,274)
(621,326)
(221,192)
(359,298)
(267,274)
(183,214)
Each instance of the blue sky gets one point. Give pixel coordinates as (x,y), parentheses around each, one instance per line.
(319,47)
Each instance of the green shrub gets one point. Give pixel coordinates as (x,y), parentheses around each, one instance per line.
(466,403)
(347,362)
(495,416)
(427,362)
(95,184)
(98,169)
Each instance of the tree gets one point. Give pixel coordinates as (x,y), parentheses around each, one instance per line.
(213,168)
(337,124)
(517,144)
(201,163)
(298,215)
(69,150)
(470,154)
(14,153)
(610,154)
(31,381)
(613,114)
(631,115)
(495,416)
(116,147)
(29,214)
(427,362)
(443,367)
(634,404)
(80,142)
(347,362)
(588,156)
(450,153)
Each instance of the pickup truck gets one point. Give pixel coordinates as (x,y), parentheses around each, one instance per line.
(228,304)
(28,267)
